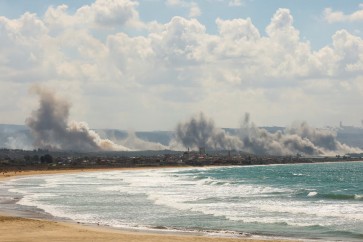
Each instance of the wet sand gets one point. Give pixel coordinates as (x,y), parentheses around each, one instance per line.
(23,229)
(13,174)
(15,228)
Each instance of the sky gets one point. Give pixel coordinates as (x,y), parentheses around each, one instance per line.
(149,64)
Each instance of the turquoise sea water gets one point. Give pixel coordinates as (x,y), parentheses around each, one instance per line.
(307,201)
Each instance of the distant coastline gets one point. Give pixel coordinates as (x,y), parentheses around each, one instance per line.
(17,161)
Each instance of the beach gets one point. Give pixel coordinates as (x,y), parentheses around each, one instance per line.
(15,228)
(24,229)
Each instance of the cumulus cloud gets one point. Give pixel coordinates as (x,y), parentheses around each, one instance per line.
(332,16)
(21,42)
(238,29)
(110,12)
(101,13)
(95,54)
(180,42)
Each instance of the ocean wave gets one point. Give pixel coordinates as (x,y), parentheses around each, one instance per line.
(298,174)
(146,197)
(312,194)
(337,196)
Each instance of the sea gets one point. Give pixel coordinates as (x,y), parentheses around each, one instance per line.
(317,202)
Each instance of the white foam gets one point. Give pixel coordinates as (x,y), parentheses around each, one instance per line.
(188,192)
(298,174)
(312,194)
(176,192)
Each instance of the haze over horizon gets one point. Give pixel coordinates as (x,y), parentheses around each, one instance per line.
(147,65)
(51,129)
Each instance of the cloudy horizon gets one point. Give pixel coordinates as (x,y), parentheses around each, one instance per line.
(146,65)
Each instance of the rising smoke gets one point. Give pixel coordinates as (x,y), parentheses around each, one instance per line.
(139,144)
(51,129)
(298,139)
(201,132)
(260,141)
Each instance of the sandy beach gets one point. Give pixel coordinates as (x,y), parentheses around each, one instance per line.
(11,174)
(23,229)
(14,228)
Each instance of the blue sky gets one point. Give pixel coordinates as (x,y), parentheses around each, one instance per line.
(308,15)
(121,61)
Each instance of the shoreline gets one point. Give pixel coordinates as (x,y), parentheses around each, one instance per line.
(16,174)
(10,174)
(27,219)
(45,230)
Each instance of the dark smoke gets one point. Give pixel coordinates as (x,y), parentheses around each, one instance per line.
(299,138)
(260,141)
(201,132)
(51,129)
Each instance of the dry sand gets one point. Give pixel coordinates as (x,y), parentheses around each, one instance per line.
(22,229)
(25,229)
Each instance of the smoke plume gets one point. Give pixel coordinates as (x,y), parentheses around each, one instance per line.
(139,144)
(299,138)
(201,132)
(51,129)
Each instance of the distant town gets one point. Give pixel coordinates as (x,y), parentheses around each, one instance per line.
(16,160)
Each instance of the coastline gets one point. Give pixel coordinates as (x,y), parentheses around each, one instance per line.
(16,174)
(43,228)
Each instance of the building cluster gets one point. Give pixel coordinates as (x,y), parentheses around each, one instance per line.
(42,159)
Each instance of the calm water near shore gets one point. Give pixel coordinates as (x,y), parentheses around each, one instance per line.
(306,201)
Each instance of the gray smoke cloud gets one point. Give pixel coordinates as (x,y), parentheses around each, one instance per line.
(18,141)
(201,132)
(51,129)
(300,138)
(260,141)
(136,143)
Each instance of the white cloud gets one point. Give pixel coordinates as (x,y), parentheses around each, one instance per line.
(100,14)
(110,12)
(176,68)
(349,49)
(332,16)
(179,43)
(238,29)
